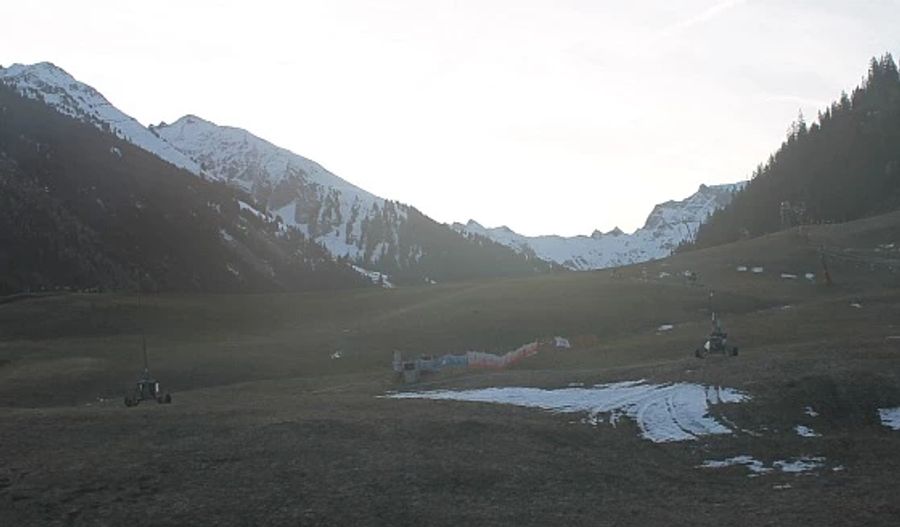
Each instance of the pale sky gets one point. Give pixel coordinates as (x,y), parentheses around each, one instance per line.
(551,117)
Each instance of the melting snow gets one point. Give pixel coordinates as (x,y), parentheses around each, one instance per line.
(252,210)
(561,342)
(890,417)
(810,412)
(803,464)
(665,327)
(663,412)
(805,431)
(377,278)
(753,465)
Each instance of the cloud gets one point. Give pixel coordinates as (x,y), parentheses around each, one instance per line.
(701,18)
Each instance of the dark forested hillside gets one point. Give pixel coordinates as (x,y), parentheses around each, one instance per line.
(843,167)
(80,208)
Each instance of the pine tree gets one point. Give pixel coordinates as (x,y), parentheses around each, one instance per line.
(843,167)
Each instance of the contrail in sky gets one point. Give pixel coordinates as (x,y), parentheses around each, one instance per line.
(701,18)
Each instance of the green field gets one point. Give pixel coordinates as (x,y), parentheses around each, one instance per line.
(267,428)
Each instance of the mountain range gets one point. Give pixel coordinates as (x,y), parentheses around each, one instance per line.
(272,195)
(81,208)
(669,225)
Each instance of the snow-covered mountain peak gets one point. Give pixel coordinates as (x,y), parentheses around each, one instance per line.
(668,225)
(236,155)
(53,86)
(302,192)
(287,190)
(48,82)
(46,72)
(692,210)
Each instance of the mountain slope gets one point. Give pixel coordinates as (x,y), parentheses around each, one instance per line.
(351,223)
(300,191)
(83,208)
(843,167)
(669,225)
(54,87)
(43,245)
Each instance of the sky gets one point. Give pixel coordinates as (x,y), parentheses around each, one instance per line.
(548,116)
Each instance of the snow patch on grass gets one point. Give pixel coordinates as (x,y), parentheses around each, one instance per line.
(805,431)
(561,342)
(663,412)
(757,467)
(890,417)
(804,464)
(753,465)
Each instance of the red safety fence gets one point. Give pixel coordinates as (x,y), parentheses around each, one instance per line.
(479,359)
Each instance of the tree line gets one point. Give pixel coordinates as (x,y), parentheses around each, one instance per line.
(843,166)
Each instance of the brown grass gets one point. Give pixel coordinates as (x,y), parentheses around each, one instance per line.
(267,429)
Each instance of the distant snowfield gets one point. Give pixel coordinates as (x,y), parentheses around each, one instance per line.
(663,412)
(667,226)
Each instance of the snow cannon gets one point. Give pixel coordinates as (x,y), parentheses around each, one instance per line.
(147,388)
(716,342)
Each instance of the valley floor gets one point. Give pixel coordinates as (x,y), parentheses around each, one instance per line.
(267,428)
